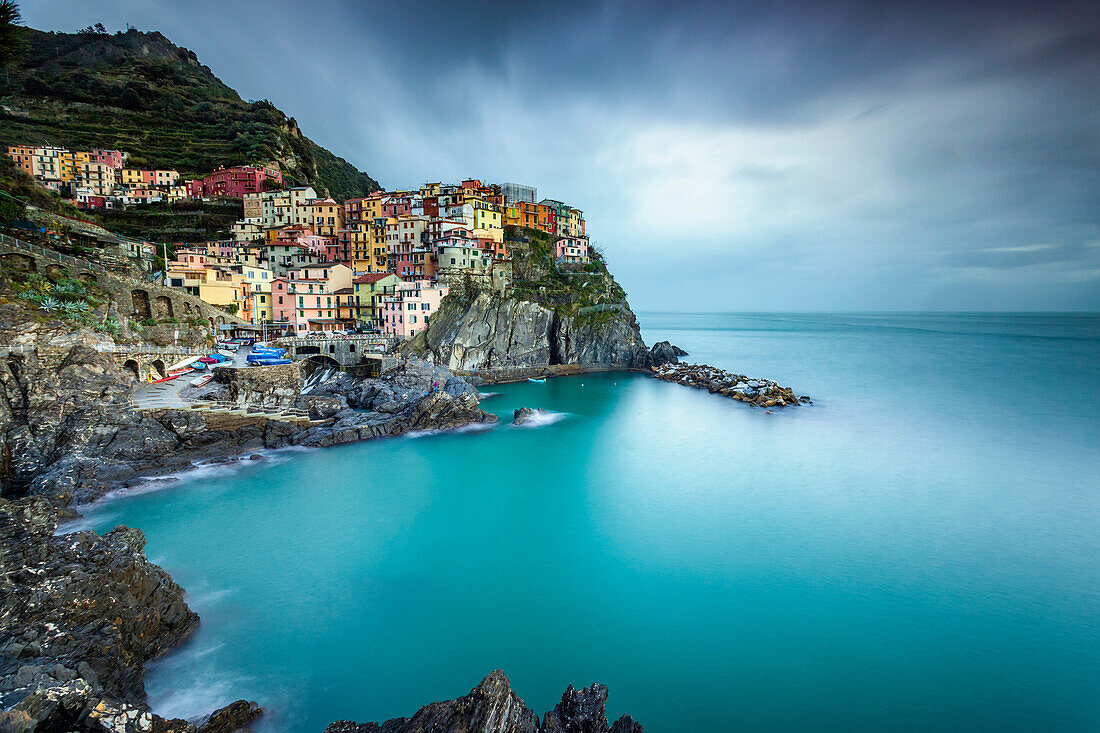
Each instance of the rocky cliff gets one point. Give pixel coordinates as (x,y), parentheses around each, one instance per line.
(490,331)
(80,615)
(68,432)
(492,707)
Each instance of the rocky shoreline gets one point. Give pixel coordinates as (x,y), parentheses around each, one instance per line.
(81,615)
(756,392)
(492,707)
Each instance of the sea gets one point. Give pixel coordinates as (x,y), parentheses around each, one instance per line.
(918,550)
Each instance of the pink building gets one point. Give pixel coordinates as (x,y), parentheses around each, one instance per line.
(234,182)
(409,310)
(572,249)
(112,158)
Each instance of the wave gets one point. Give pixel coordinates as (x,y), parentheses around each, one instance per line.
(542,418)
(476,427)
(487,395)
(201,472)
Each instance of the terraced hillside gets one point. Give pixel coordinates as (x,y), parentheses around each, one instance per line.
(139,92)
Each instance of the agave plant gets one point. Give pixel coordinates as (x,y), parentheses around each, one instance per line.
(74,306)
(67,290)
(49,303)
(30,296)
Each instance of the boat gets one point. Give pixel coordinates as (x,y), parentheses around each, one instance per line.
(169,378)
(207,360)
(270,361)
(217,357)
(539,381)
(227,353)
(198,365)
(201,380)
(188,362)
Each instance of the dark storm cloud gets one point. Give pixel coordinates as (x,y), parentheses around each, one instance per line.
(728,155)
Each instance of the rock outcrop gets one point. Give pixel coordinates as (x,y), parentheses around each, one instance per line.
(526,415)
(414,396)
(68,431)
(492,707)
(80,615)
(758,392)
(493,332)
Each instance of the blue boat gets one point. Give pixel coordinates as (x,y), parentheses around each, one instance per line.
(532,379)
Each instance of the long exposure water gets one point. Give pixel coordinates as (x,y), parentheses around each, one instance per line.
(919,550)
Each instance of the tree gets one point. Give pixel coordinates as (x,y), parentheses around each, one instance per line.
(12,41)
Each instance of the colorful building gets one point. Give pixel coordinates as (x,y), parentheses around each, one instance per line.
(234,182)
(369,291)
(408,311)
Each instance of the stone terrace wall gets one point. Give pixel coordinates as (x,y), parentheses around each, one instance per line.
(269,386)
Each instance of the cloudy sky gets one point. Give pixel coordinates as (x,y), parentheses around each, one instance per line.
(728,156)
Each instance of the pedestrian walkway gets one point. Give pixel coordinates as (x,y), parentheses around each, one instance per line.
(160,395)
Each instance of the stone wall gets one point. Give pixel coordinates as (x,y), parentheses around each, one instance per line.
(275,387)
(134,300)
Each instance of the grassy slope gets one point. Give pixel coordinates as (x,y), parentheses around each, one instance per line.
(536,278)
(138,92)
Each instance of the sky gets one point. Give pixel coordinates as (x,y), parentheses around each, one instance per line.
(732,156)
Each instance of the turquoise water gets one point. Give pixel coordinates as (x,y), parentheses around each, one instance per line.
(918,551)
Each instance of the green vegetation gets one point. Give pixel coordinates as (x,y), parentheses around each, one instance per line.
(138,92)
(57,295)
(181,221)
(538,277)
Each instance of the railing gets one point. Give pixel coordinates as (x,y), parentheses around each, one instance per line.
(144,349)
(312,341)
(36,249)
(149,349)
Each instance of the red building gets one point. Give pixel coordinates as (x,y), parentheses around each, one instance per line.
(112,158)
(234,182)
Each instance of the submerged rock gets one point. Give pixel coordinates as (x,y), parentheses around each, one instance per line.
(492,707)
(525,415)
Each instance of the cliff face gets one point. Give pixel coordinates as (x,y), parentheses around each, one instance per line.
(493,332)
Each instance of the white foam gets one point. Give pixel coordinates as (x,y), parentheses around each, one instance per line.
(487,395)
(542,418)
(476,427)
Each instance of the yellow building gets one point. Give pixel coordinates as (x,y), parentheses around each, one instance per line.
(71,163)
(259,280)
(326,217)
(485,215)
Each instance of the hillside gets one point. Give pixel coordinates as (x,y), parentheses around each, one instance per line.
(137,91)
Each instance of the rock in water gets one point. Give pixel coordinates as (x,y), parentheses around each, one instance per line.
(81,616)
(492,707)
(524,415)
(665,353)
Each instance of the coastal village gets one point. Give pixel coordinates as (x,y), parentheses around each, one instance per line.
(300,263)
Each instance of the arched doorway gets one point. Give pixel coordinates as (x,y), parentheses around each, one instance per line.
(158,366)
(131,366)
